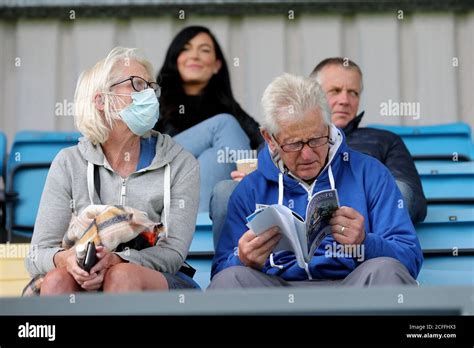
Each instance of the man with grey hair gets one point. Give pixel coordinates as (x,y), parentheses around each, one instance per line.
(305,154)
(342,81)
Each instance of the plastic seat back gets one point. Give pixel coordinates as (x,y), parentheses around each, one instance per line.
(27,168)
(451,141)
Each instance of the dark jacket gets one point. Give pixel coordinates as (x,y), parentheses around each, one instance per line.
(389,149)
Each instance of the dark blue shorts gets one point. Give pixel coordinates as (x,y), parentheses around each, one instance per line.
(179,281)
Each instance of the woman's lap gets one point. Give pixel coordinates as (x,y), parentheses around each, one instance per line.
(147,278)
(218,132)
(175,282)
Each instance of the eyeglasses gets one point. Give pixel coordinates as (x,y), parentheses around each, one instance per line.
(298,146)
(139,84)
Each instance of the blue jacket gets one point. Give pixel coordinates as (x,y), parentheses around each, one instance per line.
(363,183)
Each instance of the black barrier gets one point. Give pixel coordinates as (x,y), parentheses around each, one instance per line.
(450,331)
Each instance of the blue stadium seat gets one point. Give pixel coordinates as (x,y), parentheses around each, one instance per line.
(203,270)
(30,158)
(201,251)
(447,181)
(447,239)
(3,153)
(447,227)
(3,156)
(435,142)
(447,270)
(460,128)
(202,241)
(444,167)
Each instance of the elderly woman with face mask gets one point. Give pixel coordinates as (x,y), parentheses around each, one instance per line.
(116,107)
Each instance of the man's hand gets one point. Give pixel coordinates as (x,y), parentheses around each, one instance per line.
(237,176)
(107,260)
(254,250)
(347,226)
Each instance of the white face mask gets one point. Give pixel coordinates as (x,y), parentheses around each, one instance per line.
(143,113)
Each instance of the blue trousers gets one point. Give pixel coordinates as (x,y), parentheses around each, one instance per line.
(213,142)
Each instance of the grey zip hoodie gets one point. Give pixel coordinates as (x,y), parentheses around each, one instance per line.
(66,190)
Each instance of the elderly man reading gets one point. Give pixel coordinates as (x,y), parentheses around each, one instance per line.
(305,154)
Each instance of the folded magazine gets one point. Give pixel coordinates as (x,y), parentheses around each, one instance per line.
(300,236)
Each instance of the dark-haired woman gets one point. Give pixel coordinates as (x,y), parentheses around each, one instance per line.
(198,108)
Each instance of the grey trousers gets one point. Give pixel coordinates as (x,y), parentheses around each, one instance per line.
(380,271)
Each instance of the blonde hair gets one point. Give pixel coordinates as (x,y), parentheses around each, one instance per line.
(290,97)
(98,79)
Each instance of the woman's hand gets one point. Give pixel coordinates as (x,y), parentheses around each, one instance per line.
(106,260)
(237,176)
(73,268)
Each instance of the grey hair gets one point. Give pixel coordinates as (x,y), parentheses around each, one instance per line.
(289,97)
(98,79)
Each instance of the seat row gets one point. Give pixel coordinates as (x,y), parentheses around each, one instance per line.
(444,158)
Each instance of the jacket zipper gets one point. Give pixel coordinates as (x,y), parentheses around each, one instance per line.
(310,194)
(123,192)
(311,189)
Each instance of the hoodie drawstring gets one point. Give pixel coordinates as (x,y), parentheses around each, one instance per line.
(306,268)
(272,263)
(280,202)
(331,178)
(166,198)
(90,181)
(280,189)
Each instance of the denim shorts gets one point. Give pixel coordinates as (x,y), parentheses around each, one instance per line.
(180,281)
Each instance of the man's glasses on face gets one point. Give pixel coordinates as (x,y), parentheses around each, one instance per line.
(298,146)
(139,84)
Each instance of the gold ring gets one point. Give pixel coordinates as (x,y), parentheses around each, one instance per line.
(342,230)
